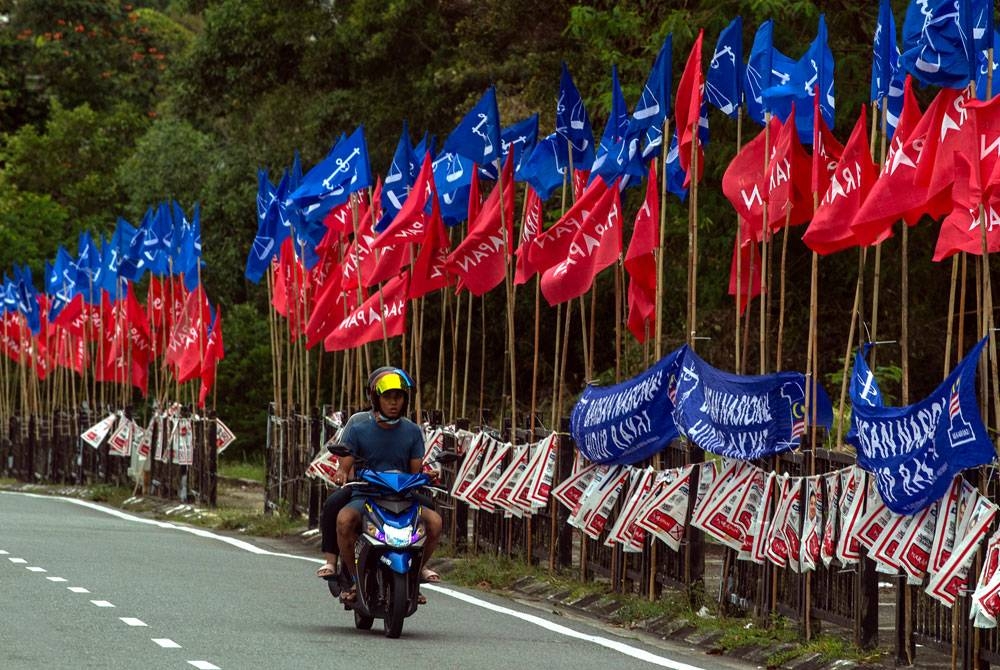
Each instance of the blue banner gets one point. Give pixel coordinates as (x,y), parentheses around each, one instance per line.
(915,451)
(744,417)
(628,422)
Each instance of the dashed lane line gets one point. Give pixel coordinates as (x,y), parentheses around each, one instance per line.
(132,621)
(166,643)
(101,603)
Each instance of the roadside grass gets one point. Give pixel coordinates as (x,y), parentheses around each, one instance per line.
(252,470)
(735,632)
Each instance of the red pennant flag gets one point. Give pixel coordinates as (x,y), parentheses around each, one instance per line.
(687,108)
(749,272)
(475,198)
(332,305)
(640,262)
(826,150)
(896,195)
(187,339)
(214,352)
(365,323)
(430,270)
(340,220)
(550,247)
(854,177)
(480,260)
(745,184)
(581,178)
(531,227)
(410,224)
(13,324)
(789,179)
(595,246)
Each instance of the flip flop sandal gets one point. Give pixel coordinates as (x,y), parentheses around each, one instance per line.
(326,571)
(349,595)
(428,575)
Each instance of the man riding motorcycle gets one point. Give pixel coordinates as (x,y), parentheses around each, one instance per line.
(385,440)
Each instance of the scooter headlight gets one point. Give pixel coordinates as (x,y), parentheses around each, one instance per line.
(398,537)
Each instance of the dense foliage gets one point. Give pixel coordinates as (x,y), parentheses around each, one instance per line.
(107,107)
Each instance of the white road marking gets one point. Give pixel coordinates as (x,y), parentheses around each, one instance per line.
(77,589)
(3,553)
(166,643)
(35,568)
(132,621)
(101,603)
(19,561)
(621,647)
(56,579)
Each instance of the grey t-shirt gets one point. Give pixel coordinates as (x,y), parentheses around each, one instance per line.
(389,448)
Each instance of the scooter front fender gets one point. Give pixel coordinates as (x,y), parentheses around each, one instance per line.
(397,561)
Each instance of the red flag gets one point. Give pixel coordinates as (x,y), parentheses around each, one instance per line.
(365,323)
(581,178)
(430,270)
(332,305)
(896,195)
(340,220)
(480,260)
(214,352)
(826,150)
(551,246)
(744,182)
(640,262)
(140,343)
(410,224)
(13,324)
(475,198)
(749,272)
(595,246)
(936,170)
(854,177)
(687,108)
(789,179)
(531,226)
(187,339)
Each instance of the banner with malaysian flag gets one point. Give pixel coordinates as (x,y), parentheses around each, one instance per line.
(915,451)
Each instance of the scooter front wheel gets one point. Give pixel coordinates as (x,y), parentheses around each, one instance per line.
(395,604)
(363,622)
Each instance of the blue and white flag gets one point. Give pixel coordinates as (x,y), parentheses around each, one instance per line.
(628,422)
(724,80)
(453,177)
(617,153)
(654,103)
(984,88)
(915,451)
(675,173)
(983,22)
(477,136)
(545,168)
(938,42)
(864,387)
(573,123)
(60,282)
(888,75)
(397,181)
(743,417)
(519,138)
(330,183)
(814,70)
(766,67)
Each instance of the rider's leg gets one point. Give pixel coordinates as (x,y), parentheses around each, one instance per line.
(348,523)
(432,521)
(328,522)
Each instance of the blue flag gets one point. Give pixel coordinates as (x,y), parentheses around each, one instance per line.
(546,167)
(27,299)
(519,138)
(938,42)
(915,451)
(983,22)
(397,181)
(267,242)
(654,103)
(617,153)
(864,387)
(477,136)
(628,422)
(453,179)
(984,90)
(814,70)
(60,282)
(885,53)
(766,67)
(744,417)
(573,123)
(345,169)
(675,173)
(724,81)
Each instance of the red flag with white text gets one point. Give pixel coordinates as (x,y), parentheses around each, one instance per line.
(365,323)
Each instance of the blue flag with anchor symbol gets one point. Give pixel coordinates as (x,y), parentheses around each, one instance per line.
(742,416)
(397,181)
(724,80)
(330,182)
(653,106)
(453,179)
(915,451)
(477,136)
(573,123)
(545,168)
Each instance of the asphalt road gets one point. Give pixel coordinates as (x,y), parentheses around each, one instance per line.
(86,586)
